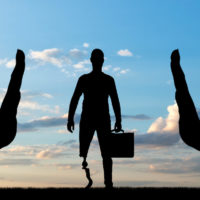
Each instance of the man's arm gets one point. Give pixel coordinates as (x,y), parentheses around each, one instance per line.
(116,106)
(73,106)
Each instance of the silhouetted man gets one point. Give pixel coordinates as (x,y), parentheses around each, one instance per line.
(8,111)
(189,124)
(96,88)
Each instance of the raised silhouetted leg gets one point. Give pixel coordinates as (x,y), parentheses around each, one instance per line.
(189,125)
(10,102)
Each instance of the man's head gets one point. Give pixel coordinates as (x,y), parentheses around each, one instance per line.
(97,59)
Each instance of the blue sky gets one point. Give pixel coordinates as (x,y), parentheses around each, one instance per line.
(137,38)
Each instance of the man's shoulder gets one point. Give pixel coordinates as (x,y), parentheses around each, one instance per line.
(84,76)
(102,76)
(108,77)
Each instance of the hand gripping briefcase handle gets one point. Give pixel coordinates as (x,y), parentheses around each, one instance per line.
(115,131)
(121,144)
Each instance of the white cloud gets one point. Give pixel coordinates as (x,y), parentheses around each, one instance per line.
(22,150)
(169,124)
(86,45)
(11,63)
(45,122)
(8,63)
(81,65)
(107,67)
(30,95)
(157,125)
(116,69)
(124,52)
(28,104)
(163,132)
(124,71)
(32,105)
(120,71)
(46,56)
(77,54)
(53,152)
(49,96)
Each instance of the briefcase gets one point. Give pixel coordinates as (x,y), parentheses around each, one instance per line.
(121,145)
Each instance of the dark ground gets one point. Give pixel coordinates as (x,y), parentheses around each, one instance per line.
(96,193)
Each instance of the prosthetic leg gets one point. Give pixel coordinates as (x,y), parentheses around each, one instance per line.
(87,173)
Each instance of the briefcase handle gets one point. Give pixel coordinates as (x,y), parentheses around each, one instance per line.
(114,130)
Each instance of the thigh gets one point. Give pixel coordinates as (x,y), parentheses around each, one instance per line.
(86,134)
(102,134)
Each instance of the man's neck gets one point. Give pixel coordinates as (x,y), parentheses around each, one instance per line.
(96,71)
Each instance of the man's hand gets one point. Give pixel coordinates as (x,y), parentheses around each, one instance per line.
(118,126)
(70,126)
(20,57)
(175,56)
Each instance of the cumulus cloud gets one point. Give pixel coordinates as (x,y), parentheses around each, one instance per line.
(30,102)
(169,124)
(27,102)
(31,105)
(47,56)
(56,56)
(27,94)
(124,52)
(163,131)
(8,63)
(25,155)
(70,63)
(11,63)
(53,152)
(81,64)
(77,53)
